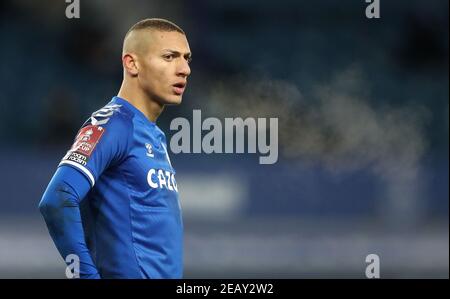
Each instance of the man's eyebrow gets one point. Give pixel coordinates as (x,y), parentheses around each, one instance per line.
(178,53)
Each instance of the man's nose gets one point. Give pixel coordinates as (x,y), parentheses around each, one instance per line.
(184,69)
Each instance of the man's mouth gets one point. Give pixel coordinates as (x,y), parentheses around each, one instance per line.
(178,88)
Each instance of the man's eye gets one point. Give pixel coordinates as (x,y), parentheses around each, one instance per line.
(168,57)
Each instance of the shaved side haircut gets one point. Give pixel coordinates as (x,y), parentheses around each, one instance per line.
(133,41)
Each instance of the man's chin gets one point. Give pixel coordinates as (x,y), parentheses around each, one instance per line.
(173,100)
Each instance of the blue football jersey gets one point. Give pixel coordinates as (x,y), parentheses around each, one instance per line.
(132,215)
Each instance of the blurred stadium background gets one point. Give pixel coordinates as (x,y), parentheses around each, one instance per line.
(364,124)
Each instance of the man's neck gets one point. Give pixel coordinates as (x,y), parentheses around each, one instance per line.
(150,108)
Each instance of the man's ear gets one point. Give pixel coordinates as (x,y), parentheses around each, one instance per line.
(130,64)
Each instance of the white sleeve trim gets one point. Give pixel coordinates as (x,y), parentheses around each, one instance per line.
(82,168)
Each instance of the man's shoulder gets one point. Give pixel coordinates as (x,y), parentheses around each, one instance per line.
(112,115)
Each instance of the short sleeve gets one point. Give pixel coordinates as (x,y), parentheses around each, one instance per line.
(99,144)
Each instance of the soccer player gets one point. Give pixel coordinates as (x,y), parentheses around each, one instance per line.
(113,200)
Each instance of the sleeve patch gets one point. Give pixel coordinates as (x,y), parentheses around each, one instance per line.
(87,139)
(84,144)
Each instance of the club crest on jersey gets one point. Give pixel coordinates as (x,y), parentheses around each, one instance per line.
(149,148)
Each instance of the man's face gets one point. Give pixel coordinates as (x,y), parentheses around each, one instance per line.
(164,66)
